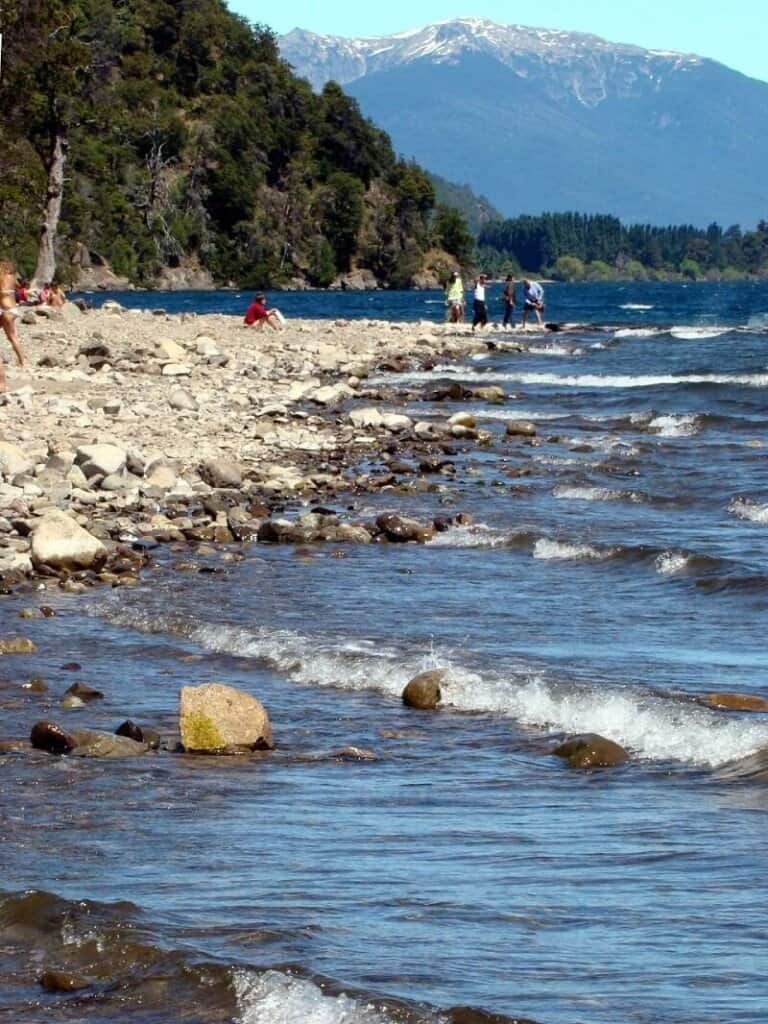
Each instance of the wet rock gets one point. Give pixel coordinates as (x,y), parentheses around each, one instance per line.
(284,531)
(36,685)
(71,666)
(462,419)
(591,751)
(139,734)
(492,393)
(80,693)
(17,645)
(736,701)
(51,737)
(216,719)
(400,530)
(94,743)
(350,533)
(221,473)
(423,691)
(58,542)
(521,428)
(64,981)
(471,1015)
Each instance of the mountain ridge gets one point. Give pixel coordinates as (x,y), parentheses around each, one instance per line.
(537,119)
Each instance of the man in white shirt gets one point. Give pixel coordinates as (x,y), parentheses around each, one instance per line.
(533,301)
(479,307)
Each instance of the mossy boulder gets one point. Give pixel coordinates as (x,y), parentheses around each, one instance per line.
(591,751)
(219,719)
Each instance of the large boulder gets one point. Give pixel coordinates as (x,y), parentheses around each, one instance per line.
(221,473)
(219,719)
(58,542)
(591,751)
(13,461)
(100,459)
(423,691)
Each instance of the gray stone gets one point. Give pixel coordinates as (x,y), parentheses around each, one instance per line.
(58,542)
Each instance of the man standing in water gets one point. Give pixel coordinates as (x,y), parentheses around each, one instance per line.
(533,301)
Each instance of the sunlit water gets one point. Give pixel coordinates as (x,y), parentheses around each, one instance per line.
(616,571)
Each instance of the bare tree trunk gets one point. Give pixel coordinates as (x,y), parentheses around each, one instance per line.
(46,257)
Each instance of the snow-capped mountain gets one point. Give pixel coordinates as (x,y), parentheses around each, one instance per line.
(584,64)
(538,119)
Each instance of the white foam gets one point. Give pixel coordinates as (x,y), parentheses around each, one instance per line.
(756,380)
(635,305)
(675,425)
(273,997)
(476,536)
(697,333)
(652,727)
(554,350)
(548,549)
(573,493)
(637,332)
(750,510)
(670,562)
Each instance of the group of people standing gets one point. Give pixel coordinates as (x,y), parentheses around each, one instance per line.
(533,301)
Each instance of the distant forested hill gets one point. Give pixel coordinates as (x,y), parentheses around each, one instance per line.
(169,133)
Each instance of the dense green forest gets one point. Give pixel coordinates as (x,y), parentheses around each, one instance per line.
(574,246)
(169,133)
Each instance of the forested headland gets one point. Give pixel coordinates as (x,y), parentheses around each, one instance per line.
(169,134)
(578,247)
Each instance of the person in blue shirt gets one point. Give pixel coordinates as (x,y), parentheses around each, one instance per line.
(533,301)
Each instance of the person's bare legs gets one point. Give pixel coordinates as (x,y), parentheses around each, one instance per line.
(9,326)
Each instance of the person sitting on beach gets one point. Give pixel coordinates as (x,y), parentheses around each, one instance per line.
(454,298)
(43,296)
(257,314)
(56,296)
(508,300)
(479,307)
(8,313)
(22,292)
(533,301)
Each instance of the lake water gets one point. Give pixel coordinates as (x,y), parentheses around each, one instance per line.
(616,571)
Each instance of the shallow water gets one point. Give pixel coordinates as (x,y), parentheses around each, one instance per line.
(624,575)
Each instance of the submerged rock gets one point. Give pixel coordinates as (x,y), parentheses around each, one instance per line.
(95,743)
(64,981)
(423,691)
(219,719)
(591,751)
(17,645)
(521,428)
(80,693)
(736,701)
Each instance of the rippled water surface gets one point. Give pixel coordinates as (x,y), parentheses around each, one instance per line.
(616,571)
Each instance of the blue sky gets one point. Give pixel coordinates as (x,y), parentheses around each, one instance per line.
(733,34)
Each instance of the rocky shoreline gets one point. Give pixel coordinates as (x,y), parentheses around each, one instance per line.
(130,429)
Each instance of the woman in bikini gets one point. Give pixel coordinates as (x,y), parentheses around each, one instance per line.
(7,312)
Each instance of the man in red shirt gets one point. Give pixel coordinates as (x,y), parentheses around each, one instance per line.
(257,314)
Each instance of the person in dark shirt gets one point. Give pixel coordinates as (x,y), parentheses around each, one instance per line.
(508,300)
(257,314)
